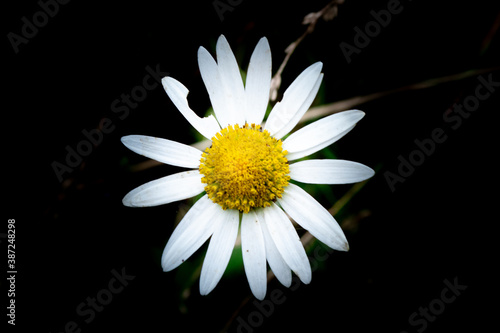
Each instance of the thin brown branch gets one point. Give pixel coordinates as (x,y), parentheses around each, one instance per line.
(346,104)
(329,12)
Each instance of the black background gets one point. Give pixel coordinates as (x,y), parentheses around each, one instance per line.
(438,224)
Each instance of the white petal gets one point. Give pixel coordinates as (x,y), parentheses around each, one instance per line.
(300,112)
(211,77)
(287,242)
(177,92)
(254,254)
(274,258)
(320,133)
(258,82)
(297,98)
(232,83)
(168,189)
(193,230)
(163,150)
(310,215)
(329,172)
(220,249)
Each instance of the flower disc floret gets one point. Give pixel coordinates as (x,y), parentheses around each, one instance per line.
(244,168)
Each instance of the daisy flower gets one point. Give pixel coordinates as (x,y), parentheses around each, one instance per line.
(246,172)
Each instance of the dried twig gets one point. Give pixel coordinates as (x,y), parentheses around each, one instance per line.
(329,12)
(346,104)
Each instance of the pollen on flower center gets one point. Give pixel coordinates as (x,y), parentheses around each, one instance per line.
(244,168)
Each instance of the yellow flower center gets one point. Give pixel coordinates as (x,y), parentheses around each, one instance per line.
(244,168)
